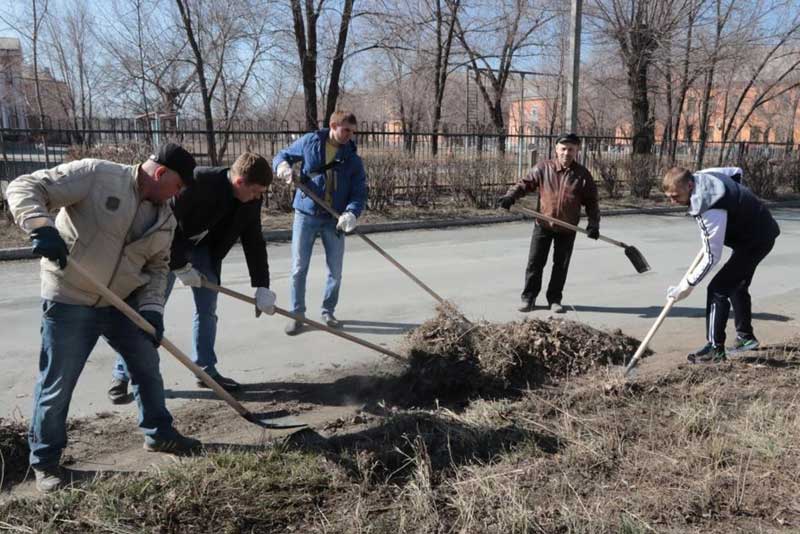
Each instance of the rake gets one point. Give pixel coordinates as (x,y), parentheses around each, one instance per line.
(636,258)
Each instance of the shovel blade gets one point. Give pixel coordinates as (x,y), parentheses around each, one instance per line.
(278,423)
(637,259)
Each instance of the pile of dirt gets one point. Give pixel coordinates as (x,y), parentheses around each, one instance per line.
(13,452)
(451,358)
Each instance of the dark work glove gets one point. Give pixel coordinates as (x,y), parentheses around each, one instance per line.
(505,202)
(593,231)
(48,242)
(157,320)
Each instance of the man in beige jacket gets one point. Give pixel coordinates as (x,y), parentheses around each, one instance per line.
(114,221)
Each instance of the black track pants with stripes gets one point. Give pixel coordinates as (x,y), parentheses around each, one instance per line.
(730,287)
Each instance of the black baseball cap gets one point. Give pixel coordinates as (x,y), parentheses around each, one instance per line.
(569,139)
(176,158)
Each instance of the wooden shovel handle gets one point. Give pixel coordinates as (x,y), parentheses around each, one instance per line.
(659,320)
(563,224)
(142,323)
(315,324)
(327,207)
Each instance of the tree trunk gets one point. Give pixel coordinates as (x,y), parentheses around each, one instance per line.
(640,107)
(36,82)
(338,61)
(441,67)
(211,148)
(703,139)
(305,35)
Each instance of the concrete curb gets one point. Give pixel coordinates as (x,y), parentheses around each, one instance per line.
(25,253)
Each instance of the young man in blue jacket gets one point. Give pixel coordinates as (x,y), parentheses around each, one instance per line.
(727,214)
(343,186)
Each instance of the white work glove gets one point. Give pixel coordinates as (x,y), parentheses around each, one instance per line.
(265,301)
(285,172)
(189,276)
(680,291)
(347,222)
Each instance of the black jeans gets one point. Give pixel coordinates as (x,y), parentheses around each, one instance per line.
(537,259)
(730,287)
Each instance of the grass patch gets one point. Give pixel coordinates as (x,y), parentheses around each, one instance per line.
(699,449)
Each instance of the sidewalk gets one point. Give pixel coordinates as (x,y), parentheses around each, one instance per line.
(24,253)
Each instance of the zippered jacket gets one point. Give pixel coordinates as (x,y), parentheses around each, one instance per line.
(347,180)
(562,192)
(209,214)
(96,201)
(727,214)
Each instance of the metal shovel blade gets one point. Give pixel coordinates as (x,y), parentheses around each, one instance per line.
(637,259)
(278,423)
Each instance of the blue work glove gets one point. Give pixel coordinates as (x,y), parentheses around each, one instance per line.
(48,242)
(593,231)
(157,320)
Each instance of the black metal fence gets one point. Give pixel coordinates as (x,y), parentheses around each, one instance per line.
(25,150)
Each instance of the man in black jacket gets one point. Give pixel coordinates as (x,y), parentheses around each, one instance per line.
(222,206)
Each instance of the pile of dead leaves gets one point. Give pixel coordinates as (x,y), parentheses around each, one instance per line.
(13,452)
(451,358)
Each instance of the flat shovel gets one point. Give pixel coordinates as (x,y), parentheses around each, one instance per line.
(141,322)
(633,254)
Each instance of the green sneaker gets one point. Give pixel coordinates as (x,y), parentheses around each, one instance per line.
(708,354)
(743,344)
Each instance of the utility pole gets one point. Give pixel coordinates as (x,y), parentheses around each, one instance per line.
(574,60)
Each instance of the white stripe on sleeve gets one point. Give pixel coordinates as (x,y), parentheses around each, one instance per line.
(712,224)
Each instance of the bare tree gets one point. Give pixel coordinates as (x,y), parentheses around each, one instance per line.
(774,73)
(639,28)
(498,40)
(305,18)
(29,26)
(184,8)
(73,55)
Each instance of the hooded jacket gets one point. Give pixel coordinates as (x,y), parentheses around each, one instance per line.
(727,214)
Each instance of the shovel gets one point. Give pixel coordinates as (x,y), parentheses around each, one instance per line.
(633,254)
(140,321)
(315,324)
(659,320)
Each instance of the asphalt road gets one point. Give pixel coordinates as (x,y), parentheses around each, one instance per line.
(479,268)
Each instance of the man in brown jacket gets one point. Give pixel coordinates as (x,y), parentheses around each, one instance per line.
(564,186)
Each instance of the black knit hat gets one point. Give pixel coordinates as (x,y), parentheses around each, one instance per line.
(568,139)
(178,159)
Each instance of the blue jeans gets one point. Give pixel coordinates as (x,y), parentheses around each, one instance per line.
(69,333)
(204,328)
(305,230)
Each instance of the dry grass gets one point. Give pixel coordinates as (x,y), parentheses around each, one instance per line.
(709,449)
(453,359)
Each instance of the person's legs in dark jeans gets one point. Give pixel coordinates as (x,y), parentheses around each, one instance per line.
(562,253)
(537,259)
(731,285)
